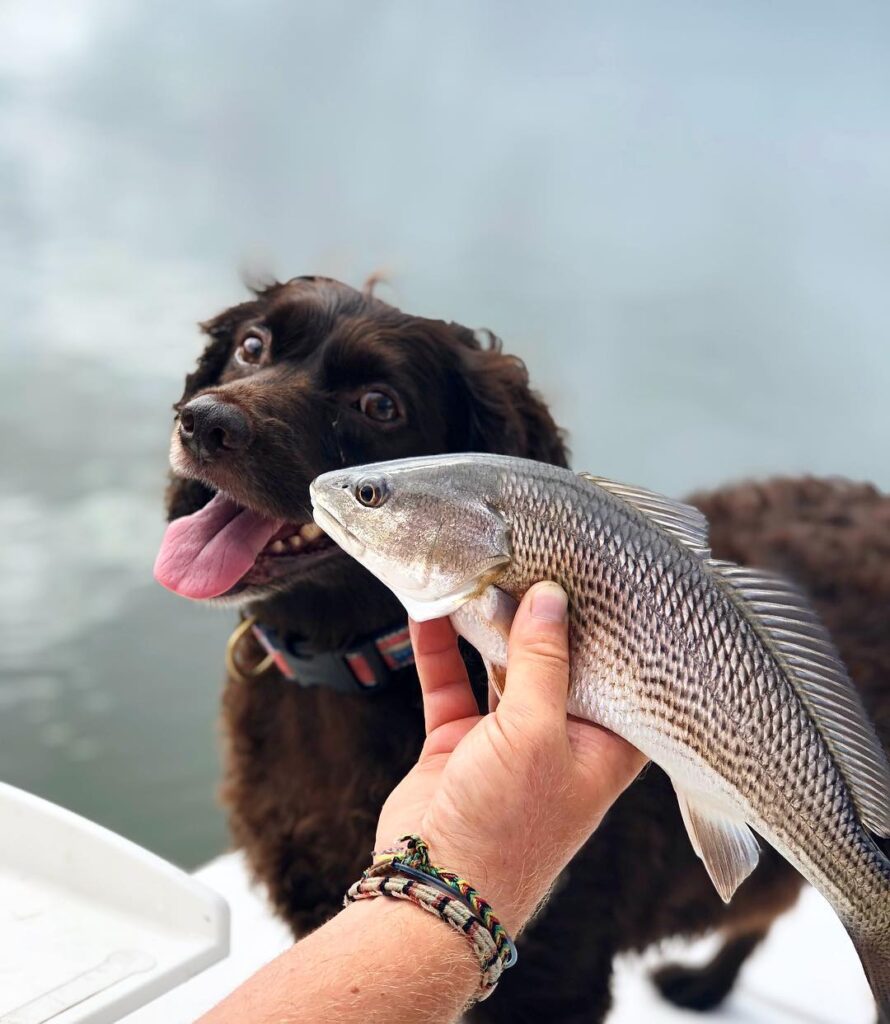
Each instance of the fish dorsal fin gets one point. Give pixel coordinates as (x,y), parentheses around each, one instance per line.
(726,846)
(683,522)
(800,643)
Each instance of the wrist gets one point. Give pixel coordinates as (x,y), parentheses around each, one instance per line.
(513,895)
(429,939)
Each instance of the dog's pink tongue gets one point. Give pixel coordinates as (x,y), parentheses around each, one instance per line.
(205,554)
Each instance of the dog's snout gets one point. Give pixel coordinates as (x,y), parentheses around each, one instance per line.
(209,427)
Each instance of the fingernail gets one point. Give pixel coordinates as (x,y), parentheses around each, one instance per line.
(549,603)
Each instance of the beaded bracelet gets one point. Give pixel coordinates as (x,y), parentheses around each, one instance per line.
(405,872)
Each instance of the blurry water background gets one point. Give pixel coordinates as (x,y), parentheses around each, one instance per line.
(677,213)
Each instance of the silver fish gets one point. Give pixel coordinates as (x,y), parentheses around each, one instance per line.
(721,675)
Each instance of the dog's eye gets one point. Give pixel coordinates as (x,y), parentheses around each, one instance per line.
(379,406)
(251,349)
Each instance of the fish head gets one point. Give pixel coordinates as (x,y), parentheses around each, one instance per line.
(427,527)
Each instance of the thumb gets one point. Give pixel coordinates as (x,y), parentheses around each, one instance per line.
(538,655)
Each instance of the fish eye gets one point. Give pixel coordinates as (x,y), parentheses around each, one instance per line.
(371,493)
(380,406)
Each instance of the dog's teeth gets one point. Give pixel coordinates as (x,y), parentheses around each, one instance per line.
(295,541)
(278,547)
(311,532)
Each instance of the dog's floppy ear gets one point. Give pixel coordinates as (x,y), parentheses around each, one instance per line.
(504,414)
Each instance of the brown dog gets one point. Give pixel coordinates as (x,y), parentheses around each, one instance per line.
(321,709)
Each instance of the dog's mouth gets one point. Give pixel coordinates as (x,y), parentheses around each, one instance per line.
(225,547)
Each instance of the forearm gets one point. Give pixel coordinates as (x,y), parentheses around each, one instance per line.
(377,960)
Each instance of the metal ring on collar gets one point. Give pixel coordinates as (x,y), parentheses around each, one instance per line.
(234,669)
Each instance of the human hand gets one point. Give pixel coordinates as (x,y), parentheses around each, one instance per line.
(506,799)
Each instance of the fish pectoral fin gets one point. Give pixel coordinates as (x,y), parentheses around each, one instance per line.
(485,622)
(497,680)
(726,846)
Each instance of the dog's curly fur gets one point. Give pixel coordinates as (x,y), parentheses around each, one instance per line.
(307,769)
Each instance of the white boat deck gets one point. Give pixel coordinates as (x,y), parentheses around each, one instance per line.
(805,973)
(92,925)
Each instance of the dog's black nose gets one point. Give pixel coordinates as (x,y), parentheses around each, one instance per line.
(209,426)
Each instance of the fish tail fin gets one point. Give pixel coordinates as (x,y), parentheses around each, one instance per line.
(875,956)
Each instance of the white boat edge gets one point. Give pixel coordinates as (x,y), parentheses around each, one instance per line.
(91,924)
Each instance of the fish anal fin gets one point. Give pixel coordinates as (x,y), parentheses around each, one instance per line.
(726,846)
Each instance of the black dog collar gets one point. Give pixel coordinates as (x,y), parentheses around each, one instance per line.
(365,667)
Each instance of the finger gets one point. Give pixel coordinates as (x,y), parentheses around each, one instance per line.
(447,737)
(538,655)
(444,683)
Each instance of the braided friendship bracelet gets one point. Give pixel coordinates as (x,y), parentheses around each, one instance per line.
(444,894)
(449,909)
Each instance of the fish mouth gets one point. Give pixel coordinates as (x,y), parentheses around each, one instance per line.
(334,529)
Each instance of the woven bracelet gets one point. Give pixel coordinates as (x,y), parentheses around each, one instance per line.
(405,872)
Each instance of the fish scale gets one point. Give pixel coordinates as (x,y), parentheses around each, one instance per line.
(721,675)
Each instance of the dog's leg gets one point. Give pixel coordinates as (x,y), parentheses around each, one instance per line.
(307,771)
(704,988)
(749,920)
